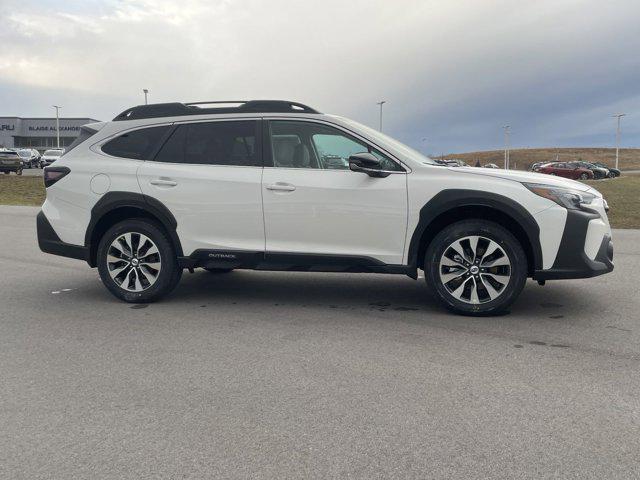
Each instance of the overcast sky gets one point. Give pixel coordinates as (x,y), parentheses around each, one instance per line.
(452,71)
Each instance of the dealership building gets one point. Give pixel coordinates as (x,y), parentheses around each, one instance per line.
(39,133)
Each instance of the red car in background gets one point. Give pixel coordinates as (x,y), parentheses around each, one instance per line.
(566,170)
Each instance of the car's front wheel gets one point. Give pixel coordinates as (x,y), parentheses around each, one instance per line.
(584,176)
(137,262)
(475,267)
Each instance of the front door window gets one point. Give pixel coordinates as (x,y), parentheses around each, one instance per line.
(312,145)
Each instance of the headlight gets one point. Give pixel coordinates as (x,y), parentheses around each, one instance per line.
(565,197)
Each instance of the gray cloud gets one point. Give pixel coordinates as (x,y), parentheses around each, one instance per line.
(452,72)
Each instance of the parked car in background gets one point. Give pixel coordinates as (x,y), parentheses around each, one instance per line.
(566,170)
(452,162)
(536,166)
(613,172)
(491,165)
(598,172)
(30,157)
(10,161)
(50,156)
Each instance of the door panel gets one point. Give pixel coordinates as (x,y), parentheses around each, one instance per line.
(216,207)
(208,174)
(315,205)
(335,212)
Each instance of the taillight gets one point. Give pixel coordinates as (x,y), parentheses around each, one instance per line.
(53,174)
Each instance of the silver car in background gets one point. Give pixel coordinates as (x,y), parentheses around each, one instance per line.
(50,156)
(30,157)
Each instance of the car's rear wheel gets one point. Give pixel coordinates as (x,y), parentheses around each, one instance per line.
(584,176)
(475,267)
(137,262)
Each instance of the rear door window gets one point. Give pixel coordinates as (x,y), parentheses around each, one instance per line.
(233,143)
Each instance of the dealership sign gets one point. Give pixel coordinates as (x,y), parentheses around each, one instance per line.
(7,127)
(52,128)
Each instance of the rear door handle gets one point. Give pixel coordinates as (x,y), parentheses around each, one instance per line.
(162,182)
(281,187)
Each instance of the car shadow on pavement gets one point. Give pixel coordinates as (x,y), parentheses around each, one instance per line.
(389,299)
(378,293)
(303,288)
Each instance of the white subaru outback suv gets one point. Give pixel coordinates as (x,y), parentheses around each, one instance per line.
(276,185)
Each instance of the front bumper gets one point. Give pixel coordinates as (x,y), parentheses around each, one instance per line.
(49,242)
(571,260)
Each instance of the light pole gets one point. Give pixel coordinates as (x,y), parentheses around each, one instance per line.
(381,102)
(57,107)
(506,146)
(618,116)
(145,95)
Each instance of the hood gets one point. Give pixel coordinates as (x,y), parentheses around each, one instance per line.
(527,177)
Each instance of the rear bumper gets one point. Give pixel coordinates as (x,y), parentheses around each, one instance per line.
(11,168)
(49,242)
(571,260)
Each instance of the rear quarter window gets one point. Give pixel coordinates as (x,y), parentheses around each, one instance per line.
(85,133)
(137,144)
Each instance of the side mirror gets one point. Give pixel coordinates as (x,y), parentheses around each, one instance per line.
(367,163)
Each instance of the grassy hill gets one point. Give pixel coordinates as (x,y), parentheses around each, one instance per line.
(522,158)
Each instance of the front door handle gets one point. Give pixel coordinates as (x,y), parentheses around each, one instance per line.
(163,182)
(281,187)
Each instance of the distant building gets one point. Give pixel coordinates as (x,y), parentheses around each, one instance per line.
(39,133)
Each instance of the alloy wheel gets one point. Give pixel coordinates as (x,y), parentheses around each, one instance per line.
(475,269)
(133,262)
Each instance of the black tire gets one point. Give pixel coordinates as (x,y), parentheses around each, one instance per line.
(19,172)
(219,270)
(169,273)
(492,232)
(584,176)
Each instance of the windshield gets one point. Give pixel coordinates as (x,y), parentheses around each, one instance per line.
(392,142)
(24,153)
(53,153)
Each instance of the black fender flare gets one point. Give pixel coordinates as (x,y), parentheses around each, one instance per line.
(113,200)
(450,199)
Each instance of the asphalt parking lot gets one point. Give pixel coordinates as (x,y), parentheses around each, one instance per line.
(295,375)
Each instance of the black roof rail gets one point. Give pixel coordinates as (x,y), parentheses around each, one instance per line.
(176,109)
